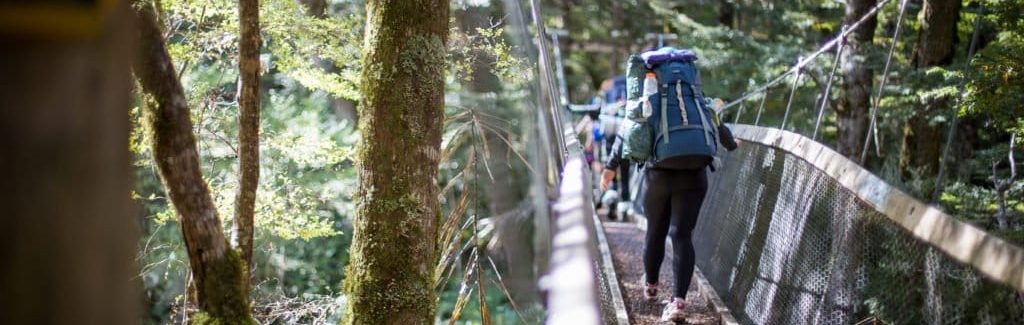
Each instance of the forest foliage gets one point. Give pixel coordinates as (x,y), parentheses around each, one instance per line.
(310,67)
(310,70)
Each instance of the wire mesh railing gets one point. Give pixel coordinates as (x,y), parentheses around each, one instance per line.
(577,279)
(792,232)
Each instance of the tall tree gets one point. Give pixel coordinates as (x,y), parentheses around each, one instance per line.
(389,278)
(248,127)
(853,105)
(218,270)
(936,44)
(67,233)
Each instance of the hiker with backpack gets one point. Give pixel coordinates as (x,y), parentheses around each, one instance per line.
(672,132)
(616,196)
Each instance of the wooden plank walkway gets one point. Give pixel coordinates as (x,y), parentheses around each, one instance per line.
(626,242)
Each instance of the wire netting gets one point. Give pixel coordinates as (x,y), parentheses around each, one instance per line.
(785,243)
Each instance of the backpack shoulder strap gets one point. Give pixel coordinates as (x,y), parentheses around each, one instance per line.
(663,90)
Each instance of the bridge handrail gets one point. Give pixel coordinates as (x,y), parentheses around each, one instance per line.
(988,254)
(571,283)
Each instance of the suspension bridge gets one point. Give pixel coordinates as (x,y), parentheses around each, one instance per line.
(791,232)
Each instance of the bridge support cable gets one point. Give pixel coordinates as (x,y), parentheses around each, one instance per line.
(939,180)
(828,85)
(760,108)
(792,93)
(806,60)
(873,127)
(736,120)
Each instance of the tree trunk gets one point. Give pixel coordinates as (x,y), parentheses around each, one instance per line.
(68,233)
(315,8)
(390,275)
(854,104)
(727,13)
(936,44)
(218,271)
(248,127)
(937,38)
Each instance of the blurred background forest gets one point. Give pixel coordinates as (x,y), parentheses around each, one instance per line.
(309,85)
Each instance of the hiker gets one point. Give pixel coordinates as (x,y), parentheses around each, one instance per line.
(614,92)
(675,135)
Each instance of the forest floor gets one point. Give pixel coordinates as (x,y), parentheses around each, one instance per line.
(626,242)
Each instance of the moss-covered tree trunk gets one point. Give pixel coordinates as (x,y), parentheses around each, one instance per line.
(936,45)
(67,231)
(218,270)
(855,102)
(389,277)
(248,127)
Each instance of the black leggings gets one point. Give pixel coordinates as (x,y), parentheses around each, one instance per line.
(672,197)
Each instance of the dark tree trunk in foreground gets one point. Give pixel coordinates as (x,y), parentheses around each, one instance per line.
(390,275)
(854,105)
(248,126)
(67,231)
(936,45)
(218,270)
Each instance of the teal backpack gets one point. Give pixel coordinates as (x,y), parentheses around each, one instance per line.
(669,122)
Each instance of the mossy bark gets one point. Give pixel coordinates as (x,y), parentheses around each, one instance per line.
(248,127)
(217,270)
(852,109)
(68,227)
(389,277)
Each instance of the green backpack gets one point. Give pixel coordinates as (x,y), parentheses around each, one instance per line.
(637,135)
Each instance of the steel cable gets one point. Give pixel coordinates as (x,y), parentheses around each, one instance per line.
(828,86)
(940,178)
(872,128)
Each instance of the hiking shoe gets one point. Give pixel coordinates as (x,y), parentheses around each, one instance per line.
(674,311)
(651,291)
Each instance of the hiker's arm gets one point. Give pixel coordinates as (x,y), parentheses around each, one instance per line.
(726,138)
(612,164)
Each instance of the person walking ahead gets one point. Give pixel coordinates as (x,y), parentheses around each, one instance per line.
(672,200)
(676,135)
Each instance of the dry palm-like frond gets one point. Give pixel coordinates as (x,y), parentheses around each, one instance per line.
(483,140)
(470,131)
(460,135)
(478,124)
(447,265)
(511,147)
(451,183)
(485,316)
(449,229)
(504,289)
(465,290)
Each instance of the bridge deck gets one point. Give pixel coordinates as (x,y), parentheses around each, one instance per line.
(626,241)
